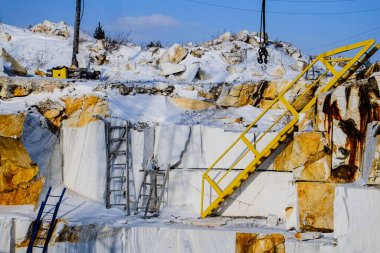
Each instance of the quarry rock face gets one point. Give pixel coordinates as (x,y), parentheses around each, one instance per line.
(16,67)
(6,36)
(83,110)
(21,87)
(257,243)
(98,52)
(308,156)
(191,104)
(236,96)
(52,29)
(374,171)
(174,54)
(368,72)
(74,111)
(279,72)
(227,36)
(315,206)
(19,182)
(344,114)
(235,57)
(371,156)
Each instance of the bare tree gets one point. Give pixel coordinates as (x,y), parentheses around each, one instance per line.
(74,60)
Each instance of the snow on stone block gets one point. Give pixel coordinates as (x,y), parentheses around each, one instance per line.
(171,68)
(53,29)
(235,57)
(190,73)
(84,159)
(170,143)
(225,37)
(357,219)
(315,206)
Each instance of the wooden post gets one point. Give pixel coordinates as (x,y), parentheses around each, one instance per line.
(74,60)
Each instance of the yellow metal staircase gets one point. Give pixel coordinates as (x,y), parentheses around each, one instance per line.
(220,183)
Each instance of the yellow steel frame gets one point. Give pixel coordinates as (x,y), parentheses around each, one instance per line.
(338,77)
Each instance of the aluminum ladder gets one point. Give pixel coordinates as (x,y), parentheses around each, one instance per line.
(151,192)
(118,192)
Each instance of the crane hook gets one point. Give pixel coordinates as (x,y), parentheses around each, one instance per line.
(263,52)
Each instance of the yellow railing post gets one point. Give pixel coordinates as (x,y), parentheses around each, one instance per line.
(338,76)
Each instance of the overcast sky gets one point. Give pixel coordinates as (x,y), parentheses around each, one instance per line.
(312,25)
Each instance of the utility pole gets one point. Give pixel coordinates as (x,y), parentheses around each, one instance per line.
(74,60)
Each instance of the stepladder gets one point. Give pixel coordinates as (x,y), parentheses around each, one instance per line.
(152,192)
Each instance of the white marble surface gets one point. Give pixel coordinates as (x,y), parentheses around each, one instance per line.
(357,219)
(264,193)
(84,159)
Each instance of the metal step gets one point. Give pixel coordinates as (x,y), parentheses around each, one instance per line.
(118,165)
(340,75)
(118,177)
(153,184)
(117,127)
(117,139)
(122,152)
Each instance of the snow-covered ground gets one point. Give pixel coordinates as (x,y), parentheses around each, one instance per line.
(230,58)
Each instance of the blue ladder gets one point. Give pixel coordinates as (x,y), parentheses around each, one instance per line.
(38,222)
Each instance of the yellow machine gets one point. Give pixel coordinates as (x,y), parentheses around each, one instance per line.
(222,184)
(60,72)
(72,73)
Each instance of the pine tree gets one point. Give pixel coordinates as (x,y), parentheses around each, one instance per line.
(99,33)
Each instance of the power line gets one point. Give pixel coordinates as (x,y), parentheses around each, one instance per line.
(282,12)
(312,1)
(344,39)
